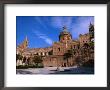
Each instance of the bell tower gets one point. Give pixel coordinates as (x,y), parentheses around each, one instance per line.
(65,36)
(91,31)
(24,44)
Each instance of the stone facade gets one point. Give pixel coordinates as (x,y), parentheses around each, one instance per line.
(54,56)
(84,39)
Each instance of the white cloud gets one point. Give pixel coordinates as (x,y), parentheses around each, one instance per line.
(57,21)
(60,21)
(38,19)
(43,37)
(81,26)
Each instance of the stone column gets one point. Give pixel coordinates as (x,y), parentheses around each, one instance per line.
(43,53)
(47,53)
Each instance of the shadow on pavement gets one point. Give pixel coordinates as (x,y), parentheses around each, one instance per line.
(23,72)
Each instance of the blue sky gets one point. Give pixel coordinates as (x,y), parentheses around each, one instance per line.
(42,31)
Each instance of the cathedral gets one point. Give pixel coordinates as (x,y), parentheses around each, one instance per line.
(54,56)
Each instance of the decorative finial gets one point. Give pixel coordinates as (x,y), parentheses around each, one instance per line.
(65,28)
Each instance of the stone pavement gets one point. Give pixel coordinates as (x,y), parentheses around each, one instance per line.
(55,70)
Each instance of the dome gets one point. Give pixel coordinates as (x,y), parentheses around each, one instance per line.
(65,34)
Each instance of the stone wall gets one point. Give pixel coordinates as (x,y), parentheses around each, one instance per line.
(37,51)
(58,61)
(84,39)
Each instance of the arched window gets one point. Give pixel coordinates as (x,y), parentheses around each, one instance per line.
(58,49)
(36,53)
(45,53)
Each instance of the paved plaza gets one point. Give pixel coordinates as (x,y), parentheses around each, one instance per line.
(55,70)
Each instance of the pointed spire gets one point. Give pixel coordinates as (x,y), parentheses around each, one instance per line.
(26,39)
(90,24)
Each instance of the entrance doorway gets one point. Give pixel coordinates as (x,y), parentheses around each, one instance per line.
(64,64)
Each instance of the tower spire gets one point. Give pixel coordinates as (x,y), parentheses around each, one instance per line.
(90,24)
(26,38)
(26,41)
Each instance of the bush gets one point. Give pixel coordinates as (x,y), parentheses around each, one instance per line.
(22,67)
(40,67)
(29,66)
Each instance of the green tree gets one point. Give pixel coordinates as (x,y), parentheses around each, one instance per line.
(68,55)
(28,60)
(24,59)
(19,57)
(37,60)
(86,51)
(78,61)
